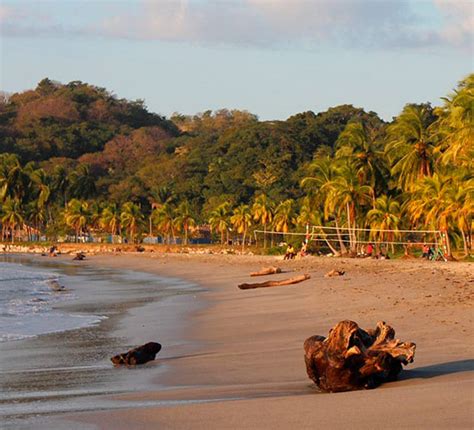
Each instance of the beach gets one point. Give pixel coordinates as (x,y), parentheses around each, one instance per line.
(241,364)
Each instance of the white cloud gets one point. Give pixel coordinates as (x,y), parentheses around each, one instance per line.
(458,26)
(263,23)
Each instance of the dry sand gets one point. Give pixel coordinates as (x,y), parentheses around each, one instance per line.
(248,371)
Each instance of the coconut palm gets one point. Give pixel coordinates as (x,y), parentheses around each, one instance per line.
(346,194)
(35,216)
(131,219)
(358,143)
(14,181)
(76,216)
(284,216)
(41,181)
(410,145)
(386,215)
(184,219)
(164,218)
(60,184)
(219,220)
(262,210)
(441,203)
(455,125)
(12,216)
(110,219)
(242,220)
(82,183)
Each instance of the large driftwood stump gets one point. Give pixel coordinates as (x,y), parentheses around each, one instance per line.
(351,358)
(139,355)
(266,271)
(266,284)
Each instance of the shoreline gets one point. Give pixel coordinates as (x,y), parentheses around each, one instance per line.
(250,357)
(78,373)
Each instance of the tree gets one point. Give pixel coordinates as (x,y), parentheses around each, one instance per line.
(82,183)
(184,219)
(284,216)
(242,220)
(164,218)
(131,219)
(219,219)
(262,210)
(110,219)
(12,216)
(384,216)
(455,125)
(346,193)
(359,144)
(76,216)
(410,145)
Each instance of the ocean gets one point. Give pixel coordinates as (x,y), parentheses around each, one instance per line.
(56,343)
(27,299)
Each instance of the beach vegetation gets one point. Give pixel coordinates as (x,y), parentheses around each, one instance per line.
(76,160)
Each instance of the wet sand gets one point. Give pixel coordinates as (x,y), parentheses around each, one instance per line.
(245,367)
(71,371)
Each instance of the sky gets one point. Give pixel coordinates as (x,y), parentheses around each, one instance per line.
(273,58)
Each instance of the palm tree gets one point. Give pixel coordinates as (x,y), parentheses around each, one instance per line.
(410,145)
(82,183)
(284,216)
(164,218)
(242,220)
(131,219)
(12,216)
(385,216)
(14,181)
(219,220)
(60,184)
(184,220)
(455,125)
(35,217)
(110,219)
(41,181)
(345,193)
(262,210)
(76,216)
(358,143)
(440,202)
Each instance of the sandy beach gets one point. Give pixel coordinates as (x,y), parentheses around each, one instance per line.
(242,365)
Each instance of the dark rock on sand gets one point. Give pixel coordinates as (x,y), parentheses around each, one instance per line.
(139,355)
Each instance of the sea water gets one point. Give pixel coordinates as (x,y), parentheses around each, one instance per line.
(28,296)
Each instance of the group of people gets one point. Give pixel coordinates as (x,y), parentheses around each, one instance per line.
(370,251)
(291,253)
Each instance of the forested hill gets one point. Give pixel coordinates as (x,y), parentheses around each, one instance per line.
(56,120)
(132,153)
(77,148)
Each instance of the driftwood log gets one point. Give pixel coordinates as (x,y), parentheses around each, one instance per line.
(139,355)
(351,358)
(266,271)
(334,272)
(267,284)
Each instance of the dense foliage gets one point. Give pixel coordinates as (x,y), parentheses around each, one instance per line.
(77,160)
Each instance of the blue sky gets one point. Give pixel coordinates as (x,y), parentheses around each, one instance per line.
(272,57)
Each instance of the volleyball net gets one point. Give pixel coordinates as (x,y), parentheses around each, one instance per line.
(355,240)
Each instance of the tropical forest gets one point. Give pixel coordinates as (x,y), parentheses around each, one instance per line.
(78,163)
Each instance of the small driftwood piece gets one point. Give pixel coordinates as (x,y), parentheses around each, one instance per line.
(334,272)
(139,355)
(351,358)
(267,271)
(266,284)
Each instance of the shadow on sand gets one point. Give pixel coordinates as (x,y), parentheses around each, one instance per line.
(440,369)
